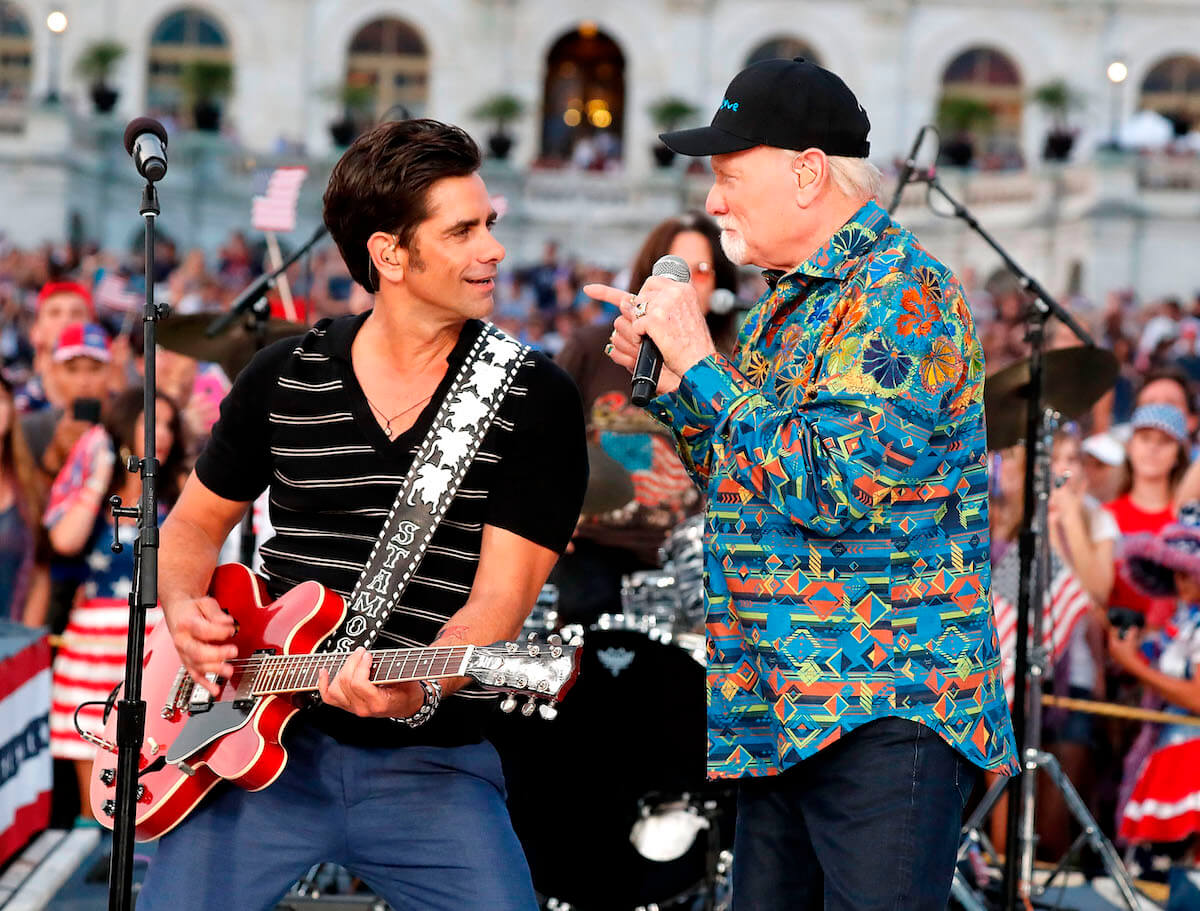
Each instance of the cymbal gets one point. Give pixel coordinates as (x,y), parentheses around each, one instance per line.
(232,349)
(609,487)
(1073,380)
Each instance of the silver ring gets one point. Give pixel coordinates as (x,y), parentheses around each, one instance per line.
(639,308)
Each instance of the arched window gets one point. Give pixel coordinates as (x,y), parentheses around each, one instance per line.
(1172,87)
(389,57)
(783,46)
(182,38)
(583,107)
(16,60)
(982,98)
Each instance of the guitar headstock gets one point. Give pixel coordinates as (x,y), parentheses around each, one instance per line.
(541,671)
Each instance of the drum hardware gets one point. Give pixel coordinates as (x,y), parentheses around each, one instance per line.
(1031,668)
(1074,379)
(232,349)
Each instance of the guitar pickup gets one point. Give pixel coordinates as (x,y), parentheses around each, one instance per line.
(200,699)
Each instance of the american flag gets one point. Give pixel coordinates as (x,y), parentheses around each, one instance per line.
(276,211)
(1065,603)
(114,295)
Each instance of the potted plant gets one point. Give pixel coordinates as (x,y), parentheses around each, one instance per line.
(500,108)
(667,113)
(958,117)
(1057,99)
(95,65)
(355,98)
(205,83)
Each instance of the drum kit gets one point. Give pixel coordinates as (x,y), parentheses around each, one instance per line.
(627,750)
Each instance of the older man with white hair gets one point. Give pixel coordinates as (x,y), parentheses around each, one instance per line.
(853,673)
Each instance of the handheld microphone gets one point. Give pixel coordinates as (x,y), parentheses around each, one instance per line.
(649,359)
(146,141)
(906,172)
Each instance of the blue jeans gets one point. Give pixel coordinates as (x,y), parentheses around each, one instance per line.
(870,823)
(424,827)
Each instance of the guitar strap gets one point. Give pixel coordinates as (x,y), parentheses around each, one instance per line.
(437,470)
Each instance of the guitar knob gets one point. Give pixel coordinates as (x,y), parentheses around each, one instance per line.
(109,808)
(108,777)
(508,703)
(548,712)
(532,637)
(554,639)
(577,640)
(140,793)
(528,707)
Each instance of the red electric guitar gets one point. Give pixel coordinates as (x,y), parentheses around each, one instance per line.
(194,740)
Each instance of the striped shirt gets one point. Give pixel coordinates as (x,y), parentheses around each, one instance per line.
(297,420)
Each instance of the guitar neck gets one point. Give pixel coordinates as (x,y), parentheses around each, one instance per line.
(276,674)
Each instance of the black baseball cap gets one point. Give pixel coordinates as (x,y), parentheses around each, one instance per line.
(789,104)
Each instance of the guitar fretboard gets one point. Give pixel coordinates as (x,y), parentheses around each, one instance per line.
(273,674)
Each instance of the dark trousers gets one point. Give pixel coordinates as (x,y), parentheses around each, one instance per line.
(425,827)
(870,823)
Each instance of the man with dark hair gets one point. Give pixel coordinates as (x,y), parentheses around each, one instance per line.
(853,669)
(394,782)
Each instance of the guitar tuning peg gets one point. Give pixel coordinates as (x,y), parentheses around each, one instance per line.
(534,649)
(548,711)
(528,707)
(508,703)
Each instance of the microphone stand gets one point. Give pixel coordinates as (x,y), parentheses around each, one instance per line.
(131,710)
(1027,685)
(258,288)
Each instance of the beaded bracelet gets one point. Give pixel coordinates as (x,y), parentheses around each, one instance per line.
(433,698)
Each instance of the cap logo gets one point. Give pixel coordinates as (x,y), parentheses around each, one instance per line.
(727,105)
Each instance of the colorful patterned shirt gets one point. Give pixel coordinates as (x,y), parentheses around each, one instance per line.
(847,549)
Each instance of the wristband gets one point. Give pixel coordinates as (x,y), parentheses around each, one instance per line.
(433,698)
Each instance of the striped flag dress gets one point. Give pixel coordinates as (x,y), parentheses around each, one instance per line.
(1165,803)
(1066,602)
(91,660)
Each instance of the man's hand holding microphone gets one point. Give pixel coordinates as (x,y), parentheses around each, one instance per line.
(660,328)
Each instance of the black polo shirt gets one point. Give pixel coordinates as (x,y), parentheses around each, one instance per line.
(297,420)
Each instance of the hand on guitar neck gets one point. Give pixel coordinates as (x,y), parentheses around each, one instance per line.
(351,689)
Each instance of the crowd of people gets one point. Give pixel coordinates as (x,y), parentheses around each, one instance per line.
(1121,517)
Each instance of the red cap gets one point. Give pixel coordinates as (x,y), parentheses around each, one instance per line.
(51,288)
(83,340)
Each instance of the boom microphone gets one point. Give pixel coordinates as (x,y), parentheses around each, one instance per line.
(146,141)
(649,360)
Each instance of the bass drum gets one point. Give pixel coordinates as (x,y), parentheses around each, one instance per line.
(622,763)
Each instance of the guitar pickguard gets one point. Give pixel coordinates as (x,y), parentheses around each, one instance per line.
(205,727)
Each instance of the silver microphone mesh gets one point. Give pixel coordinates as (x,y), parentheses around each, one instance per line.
(673,267)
